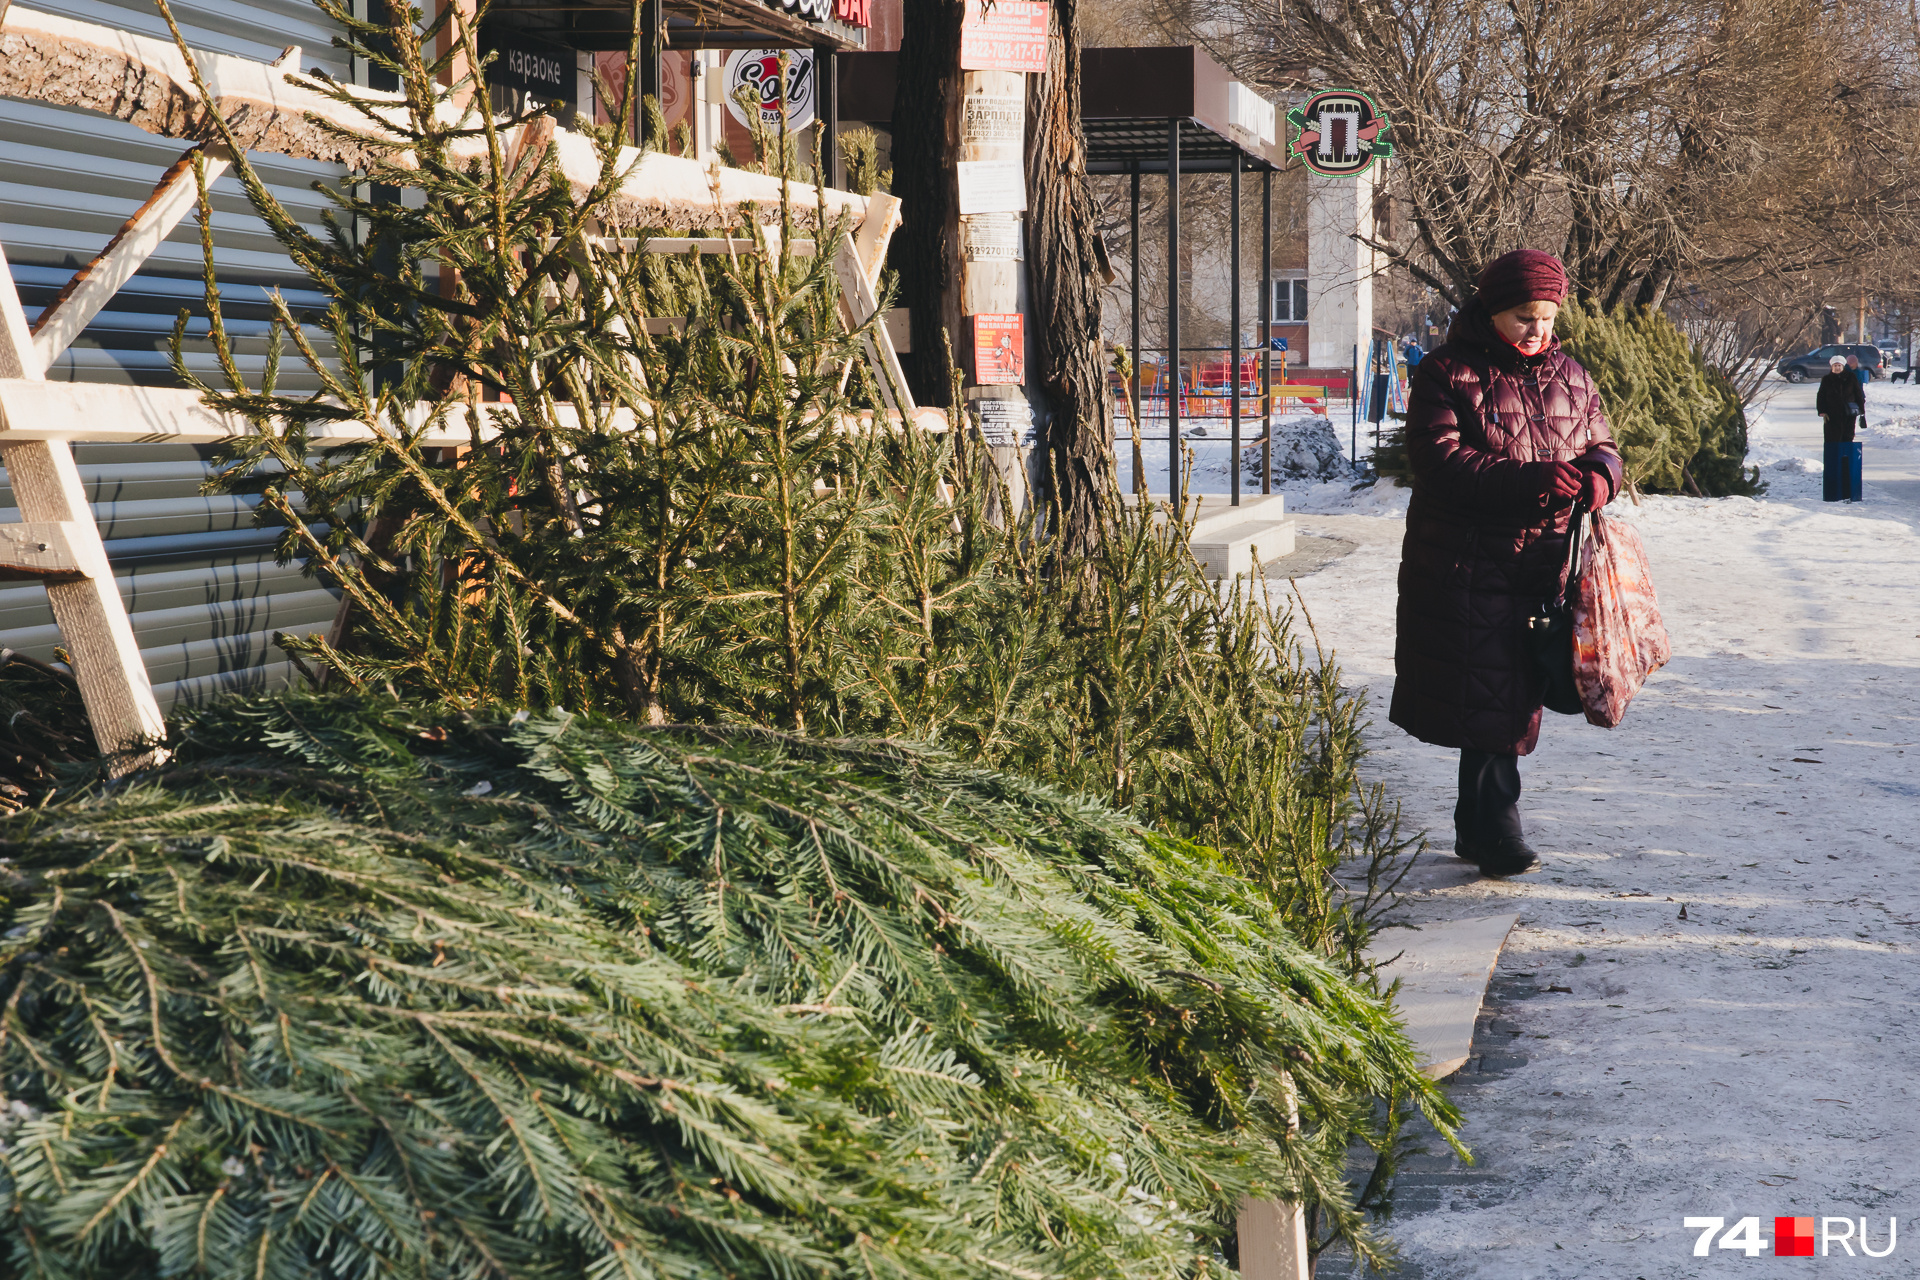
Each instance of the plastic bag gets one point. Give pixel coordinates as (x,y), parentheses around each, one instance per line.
(1618,637)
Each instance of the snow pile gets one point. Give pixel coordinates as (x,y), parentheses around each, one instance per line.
(1310,460)
(1893,416)
(1303,447)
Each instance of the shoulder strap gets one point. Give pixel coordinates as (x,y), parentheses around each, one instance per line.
(1576,533)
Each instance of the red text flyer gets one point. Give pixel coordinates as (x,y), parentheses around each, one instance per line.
(1011,35)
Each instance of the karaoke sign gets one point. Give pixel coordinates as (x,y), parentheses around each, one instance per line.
(1339,133)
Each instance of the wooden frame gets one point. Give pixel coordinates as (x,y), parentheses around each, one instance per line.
(146,81)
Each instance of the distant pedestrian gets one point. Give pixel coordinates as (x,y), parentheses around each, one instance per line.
(1505,434)
(1864,374)
(1413,354)
(1841,400)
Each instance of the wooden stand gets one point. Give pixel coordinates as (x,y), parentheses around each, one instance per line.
(57,540)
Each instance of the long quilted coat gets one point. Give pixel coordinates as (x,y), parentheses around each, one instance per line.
(1484,544)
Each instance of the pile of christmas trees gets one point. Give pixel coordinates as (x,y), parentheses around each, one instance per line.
(592,918)
(362,989)
(1679,422)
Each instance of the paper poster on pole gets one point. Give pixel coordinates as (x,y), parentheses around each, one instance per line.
(993,120)
(1010,36)
(1006,422)
(992,186)
(999,348)
(991,237)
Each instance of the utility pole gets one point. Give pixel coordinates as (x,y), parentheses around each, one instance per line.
(999,256)
(959,163)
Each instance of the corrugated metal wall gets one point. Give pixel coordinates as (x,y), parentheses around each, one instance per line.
(200,582)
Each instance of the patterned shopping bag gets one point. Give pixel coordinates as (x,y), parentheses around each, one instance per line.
(1618,638)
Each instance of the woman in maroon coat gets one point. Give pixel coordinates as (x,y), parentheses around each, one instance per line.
(1504,434)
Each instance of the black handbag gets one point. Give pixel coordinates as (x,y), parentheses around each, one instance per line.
(1550,631)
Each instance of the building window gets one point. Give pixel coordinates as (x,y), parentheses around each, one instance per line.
(1290,301)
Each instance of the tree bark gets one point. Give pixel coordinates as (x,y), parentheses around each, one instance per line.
(1654,285)
(1064,266)
(926,142)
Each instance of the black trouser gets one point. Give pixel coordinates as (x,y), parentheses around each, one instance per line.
(1489,804)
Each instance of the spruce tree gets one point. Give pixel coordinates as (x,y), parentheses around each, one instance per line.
(1680,426)
(358,988)
(673,507)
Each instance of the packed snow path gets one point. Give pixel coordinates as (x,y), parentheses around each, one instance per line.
(1754,1055)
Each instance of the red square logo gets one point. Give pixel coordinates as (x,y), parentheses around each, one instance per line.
(1793,1237)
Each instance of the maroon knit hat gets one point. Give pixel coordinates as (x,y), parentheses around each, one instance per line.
(1523,276)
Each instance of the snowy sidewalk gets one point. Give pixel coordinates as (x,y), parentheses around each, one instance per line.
(1756,1056)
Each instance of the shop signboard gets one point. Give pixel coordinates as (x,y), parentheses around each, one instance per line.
(528,64)
(846,19)
(1339,133)
(759,70)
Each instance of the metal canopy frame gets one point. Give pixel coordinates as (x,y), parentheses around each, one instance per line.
(1174,167)
(1139,145)
(701,24)
(1167,111)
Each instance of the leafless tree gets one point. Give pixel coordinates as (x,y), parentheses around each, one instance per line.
(1753,154)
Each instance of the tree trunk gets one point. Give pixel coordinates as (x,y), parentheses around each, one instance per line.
(1064,267)
(926,143)
(1654,285)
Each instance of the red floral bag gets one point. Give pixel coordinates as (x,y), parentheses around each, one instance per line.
(1618,638)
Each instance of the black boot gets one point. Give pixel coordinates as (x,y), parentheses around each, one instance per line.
(1507,856)
(1486,817)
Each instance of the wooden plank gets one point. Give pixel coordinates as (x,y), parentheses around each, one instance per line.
(858,304)
(1273,1241)
(17,356)
(94,285)
(58,533)
(1273,1233)
(93,622)
(39,551)
(875,234)
(1443,970)
(109,414)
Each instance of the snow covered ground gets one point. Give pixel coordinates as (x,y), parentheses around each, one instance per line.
(1708,1007)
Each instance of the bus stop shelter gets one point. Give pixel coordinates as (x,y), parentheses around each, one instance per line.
(1168,111)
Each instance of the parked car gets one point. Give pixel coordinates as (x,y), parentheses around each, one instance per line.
(1814,363)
